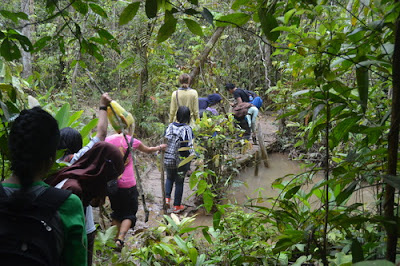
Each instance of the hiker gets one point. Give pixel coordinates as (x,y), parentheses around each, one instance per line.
(241,95)
(71,142)
(179,134)
(50,224)
(184,96)
(124,201)
(251,118)
(206,103)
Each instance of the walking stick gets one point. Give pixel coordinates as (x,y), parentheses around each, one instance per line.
(140,188)
(138,180)
(163,203)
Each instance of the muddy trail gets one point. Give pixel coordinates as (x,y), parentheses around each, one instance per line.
(151,182)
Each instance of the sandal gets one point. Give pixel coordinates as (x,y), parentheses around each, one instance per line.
(119,244)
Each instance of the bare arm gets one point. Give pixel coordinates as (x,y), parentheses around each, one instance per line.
(146,149)
(239,100)
(103,121)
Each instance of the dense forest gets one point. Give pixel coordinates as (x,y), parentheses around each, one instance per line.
(330,70)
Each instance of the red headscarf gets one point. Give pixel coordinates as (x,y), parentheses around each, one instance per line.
(102,163)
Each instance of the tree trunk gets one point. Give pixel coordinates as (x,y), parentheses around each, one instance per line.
(27,7)
(393,139)
(199,63)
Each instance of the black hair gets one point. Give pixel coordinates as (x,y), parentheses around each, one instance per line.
(230,86)
(183,114)
(70,140)
(32,143)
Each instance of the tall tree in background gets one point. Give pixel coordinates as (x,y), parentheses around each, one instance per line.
(27,7)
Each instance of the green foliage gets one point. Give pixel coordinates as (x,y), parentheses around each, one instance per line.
(216,144)
(172,242)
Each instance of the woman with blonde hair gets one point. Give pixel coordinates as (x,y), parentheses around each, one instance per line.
(184,96)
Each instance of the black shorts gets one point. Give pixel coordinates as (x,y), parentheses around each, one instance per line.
(124,204)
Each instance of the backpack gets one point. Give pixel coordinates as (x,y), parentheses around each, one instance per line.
(173,155)
(241,109)
(251,94)
(33,234)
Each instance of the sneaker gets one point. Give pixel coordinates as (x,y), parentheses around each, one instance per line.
(178,209)
(168,202)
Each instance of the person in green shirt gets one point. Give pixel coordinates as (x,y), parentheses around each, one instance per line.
(32,144)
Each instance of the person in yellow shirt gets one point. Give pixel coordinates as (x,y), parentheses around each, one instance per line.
(184,96)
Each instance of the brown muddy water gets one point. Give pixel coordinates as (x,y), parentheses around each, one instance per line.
(249,186)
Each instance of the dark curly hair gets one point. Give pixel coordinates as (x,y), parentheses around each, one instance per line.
(32,143)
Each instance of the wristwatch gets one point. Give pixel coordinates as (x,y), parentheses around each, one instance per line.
(103,108)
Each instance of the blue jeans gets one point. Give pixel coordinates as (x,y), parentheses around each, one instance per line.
(173,176)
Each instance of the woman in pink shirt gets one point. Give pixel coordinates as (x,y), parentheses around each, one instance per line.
(124,203)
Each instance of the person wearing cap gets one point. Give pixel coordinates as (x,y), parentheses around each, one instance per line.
(205,104)
(124,202)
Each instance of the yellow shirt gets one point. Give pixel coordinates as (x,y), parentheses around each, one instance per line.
(187,97)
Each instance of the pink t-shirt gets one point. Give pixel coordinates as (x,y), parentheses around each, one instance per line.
(127,179)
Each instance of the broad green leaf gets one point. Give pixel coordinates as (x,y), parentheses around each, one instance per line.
(167,29)
(288,15)
(206,235)
(129,13)
(291,192)
(194,27)
(80,6)
(23,41)
(235,19)
(193,181)
(343,127)
(151,8)
(362,85)
(186,160)
(167,248)
(239,3)
(346,193)
(182,244)
(217,220)
(201,186)
(62,116)
(14,16)
(86,129)
(357,251)
(39,44)
(268,22)
(105,34)
(75,116)
(208,200)
(98,10)
(9,50)
(193,255)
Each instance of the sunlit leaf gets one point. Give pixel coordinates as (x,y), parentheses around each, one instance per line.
(194,27)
